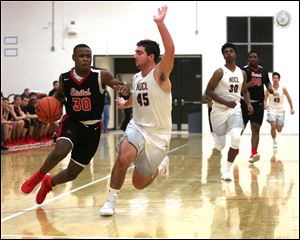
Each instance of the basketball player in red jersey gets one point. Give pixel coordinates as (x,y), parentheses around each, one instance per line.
(257,77)
(82,91)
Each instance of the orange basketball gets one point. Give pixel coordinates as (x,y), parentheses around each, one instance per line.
(48,109)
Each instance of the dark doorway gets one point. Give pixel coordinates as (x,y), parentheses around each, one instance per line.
(186,80)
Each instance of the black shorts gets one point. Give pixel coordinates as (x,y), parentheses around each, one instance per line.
(33,121)
(257,116)
(85,138)
(26,123)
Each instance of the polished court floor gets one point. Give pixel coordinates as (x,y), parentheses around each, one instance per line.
(261,202)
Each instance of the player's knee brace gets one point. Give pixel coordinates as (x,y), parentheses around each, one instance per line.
(235,135)
(219,141)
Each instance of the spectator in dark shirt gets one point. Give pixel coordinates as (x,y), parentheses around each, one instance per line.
(55,87)
(105,114)
(25,93)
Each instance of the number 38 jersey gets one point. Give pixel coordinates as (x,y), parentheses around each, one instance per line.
(230,85)
(85,97)
(151,105)
(259,77)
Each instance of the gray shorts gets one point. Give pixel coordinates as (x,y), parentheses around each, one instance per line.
(143,165)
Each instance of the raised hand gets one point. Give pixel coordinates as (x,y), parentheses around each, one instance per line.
(159,18)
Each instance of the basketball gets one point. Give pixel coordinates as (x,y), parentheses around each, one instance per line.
(48,109)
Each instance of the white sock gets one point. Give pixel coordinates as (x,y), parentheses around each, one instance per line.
(274,139)
(228,166)
(113,191)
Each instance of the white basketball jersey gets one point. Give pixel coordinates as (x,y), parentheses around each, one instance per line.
(276,100)
(229,87)
(151,105)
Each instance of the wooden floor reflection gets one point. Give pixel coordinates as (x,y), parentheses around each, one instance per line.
(261,202)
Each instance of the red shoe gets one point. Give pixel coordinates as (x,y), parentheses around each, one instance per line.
(254,158)
(30,184)
(44,189)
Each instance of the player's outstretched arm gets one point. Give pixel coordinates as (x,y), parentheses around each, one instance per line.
(118,86)
(165,66)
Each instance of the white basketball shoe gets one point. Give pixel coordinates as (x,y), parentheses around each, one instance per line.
(226,176)
(163,168)
(109,206)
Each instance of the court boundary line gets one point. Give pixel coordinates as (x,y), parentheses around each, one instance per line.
(14,236)
(69,192)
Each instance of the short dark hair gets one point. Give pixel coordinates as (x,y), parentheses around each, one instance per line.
(17,96)
(80,46)
(23,97)
(54,82)
(228,45)
(151,47)
(32,93)
(276,74)
(252,51)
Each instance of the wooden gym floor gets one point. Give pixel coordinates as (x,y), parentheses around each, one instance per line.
(261,202)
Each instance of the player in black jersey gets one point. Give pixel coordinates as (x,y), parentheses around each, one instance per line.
(82,91)
(257,77)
